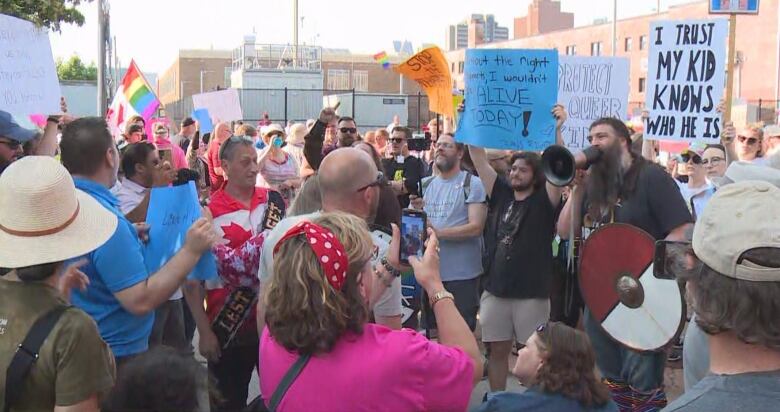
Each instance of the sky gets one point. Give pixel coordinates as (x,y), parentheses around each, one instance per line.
(152,31)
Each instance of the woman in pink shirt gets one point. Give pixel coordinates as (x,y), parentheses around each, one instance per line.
(316,308)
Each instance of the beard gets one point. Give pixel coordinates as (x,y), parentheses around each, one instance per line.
(444,164)
(605,182)
(522,187)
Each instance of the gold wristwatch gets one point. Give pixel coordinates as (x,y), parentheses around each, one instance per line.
(442,294)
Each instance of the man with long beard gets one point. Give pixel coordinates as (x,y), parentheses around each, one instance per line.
(625,188)
(519,263)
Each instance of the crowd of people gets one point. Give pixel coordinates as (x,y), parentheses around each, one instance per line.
(304,222)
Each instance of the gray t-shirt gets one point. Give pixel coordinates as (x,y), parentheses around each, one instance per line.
(446,206)
(389,304)
(758,391)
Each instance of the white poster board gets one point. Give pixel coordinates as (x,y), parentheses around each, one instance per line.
(685,80)
(28,76)
(223,105)
(591,88)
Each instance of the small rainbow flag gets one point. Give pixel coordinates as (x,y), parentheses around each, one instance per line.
(381,58)
(138,93)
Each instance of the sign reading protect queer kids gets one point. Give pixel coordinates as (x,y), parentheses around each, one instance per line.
(509,97)
(591,88)
(686,72)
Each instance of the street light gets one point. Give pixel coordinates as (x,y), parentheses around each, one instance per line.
(201,78)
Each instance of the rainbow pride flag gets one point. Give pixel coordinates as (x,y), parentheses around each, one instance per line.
(138,93)
(381,58)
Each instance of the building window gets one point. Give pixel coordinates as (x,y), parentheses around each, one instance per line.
(595,49)
(641,85)
(228,70)
(642,42)
(461,66)
(628,44)
(360,80)
(338,79)
(453,67)
(571,50)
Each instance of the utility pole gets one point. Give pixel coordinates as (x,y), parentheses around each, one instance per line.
(295,34)
(101,66)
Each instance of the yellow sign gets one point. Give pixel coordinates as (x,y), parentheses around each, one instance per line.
(430,70)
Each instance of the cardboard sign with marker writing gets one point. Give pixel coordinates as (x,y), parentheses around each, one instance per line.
(685,80)
(430,70)
(510,94)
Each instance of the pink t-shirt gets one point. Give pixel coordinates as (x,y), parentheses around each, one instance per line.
(178,156)
(380,370)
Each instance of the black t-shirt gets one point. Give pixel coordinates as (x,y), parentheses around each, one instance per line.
(520,261)
(656,206)
(411,171)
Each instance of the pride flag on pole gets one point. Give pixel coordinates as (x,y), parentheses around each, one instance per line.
(381,58)
(133,97)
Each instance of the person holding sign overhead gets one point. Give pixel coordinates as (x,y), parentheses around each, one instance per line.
(520,262)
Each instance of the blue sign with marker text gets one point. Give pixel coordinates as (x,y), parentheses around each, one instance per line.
(172,210)
(510,94)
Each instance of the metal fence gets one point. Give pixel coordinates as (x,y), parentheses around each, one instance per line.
(298,105)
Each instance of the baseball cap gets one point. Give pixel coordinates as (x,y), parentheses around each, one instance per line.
(271,128)
(11,130)
(188,121)
(743,171)
(772,130)
(160,129)
(738,218)
(696,148)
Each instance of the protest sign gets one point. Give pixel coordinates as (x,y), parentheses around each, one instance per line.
(733,6)
(687,61)
(28,77)
(172,210)
(223,105)
(510,94)
(430,70)
(203,118)
(591,88)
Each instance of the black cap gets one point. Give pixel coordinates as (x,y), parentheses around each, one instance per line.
(188,121)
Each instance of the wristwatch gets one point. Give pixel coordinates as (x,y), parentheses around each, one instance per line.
(442,294)
(389,268)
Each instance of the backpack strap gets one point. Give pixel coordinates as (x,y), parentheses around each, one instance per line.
(467,187)
(287,381)
(27,354)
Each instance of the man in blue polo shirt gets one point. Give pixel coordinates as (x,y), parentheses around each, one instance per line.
(122,295)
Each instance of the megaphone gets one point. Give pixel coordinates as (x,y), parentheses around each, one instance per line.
(560,165)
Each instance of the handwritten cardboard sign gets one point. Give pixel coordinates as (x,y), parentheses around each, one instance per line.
(28,76)
(430,70)
(509,96)
(172,210)
(686,73)
(591,88)
(222,105)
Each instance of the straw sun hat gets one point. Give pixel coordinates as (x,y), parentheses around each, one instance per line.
(43,218)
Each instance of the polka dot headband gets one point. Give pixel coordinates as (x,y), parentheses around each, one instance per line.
(330,253)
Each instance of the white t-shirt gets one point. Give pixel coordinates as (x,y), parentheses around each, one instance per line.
(389,304)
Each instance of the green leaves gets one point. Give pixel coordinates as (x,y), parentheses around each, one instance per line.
(45,13)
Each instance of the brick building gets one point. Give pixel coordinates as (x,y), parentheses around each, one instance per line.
(757,73)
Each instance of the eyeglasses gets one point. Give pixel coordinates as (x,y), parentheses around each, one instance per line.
(713,160)
(380,178)
(12,144)
(397,140)
(695,158)
(750,140)
(350,130)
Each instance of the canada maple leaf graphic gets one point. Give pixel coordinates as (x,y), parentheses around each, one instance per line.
(235,234)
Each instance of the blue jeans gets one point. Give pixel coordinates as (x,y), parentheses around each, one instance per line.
(644,372)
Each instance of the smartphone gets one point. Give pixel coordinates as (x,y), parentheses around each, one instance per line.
(414,224)
(166,155)
(667,252)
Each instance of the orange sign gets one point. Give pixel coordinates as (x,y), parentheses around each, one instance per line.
(430,70)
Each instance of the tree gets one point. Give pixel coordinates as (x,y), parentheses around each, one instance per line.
(45,13)
(74,69)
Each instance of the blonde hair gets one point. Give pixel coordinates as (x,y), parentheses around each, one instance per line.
(304,313)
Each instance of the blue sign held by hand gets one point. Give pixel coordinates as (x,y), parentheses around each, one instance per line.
(509,97)
(204,120)
(172,210)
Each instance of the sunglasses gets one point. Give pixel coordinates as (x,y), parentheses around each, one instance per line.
(397,140)
(12,144)
(695,158)
(712,160)
(350,130)
(380,178)
(750,140)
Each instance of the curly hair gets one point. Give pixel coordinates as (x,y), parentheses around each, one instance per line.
(723,304)
(304,313)
(568,366)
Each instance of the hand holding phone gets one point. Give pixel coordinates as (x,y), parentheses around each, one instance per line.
(166,155)
(414,225)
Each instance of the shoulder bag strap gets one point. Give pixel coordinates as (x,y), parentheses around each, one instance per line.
(467,187)
(27,354)
(287,381)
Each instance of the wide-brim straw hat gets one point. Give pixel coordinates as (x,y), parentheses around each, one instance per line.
(44,219)
(297,133)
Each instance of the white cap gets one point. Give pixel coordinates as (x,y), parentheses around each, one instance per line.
(738,218)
